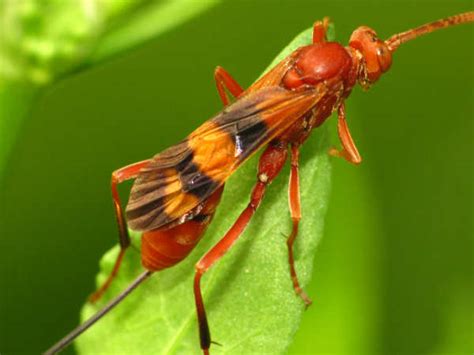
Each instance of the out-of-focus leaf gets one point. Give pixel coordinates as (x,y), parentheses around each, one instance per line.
(249,296)
(43,40)
(148,21)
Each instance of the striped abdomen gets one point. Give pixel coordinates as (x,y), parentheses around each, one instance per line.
(163,248)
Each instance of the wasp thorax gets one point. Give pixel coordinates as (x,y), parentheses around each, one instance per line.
(317,63)
(377,55)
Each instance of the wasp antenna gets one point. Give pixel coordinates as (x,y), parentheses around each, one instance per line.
(60,345)
(394,42)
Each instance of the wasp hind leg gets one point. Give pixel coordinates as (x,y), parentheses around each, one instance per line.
(270,165)
(119,176)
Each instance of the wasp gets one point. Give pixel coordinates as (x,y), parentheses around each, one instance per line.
(176,193)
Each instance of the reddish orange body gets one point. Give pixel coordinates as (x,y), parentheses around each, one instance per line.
(162,248)
(176,193)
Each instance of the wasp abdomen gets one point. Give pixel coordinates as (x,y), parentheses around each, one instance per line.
(165,247)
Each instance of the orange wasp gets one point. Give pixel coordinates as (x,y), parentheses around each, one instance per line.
(176,193)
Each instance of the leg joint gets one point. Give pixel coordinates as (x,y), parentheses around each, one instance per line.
(199,268)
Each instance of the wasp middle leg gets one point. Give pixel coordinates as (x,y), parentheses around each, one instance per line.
(295,211)
(225,81)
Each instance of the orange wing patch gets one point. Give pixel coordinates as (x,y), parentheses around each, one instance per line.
(213,152)
(176,202)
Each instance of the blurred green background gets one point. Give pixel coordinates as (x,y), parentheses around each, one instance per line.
(394,272)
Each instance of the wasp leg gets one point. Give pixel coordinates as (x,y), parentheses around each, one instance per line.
(119,176)
(349,150)
(225,81)
(319,30)
(295,210)
(270,164)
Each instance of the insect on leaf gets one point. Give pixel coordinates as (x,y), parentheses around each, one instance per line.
(249,296)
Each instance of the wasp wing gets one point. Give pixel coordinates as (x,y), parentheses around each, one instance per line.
(171,188)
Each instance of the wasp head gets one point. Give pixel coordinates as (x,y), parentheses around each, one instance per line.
(376,55)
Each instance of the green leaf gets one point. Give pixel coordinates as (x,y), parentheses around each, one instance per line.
(248,294)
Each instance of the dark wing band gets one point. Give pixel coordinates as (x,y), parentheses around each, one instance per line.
(180,178)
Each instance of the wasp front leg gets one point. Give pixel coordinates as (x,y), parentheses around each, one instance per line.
(119,176)
(225,81)
(349,150)
(270,164)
